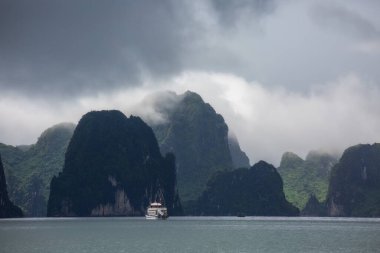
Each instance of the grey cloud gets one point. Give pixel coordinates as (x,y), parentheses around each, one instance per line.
(345,20)
(56,47)
(71,47)
(67,48)
(229,11)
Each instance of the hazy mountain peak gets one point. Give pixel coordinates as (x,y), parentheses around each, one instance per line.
(290,159)
(61,130)
(192,95)
(315,155)
(198,136)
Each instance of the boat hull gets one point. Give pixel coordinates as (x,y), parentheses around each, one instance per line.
(155,217)
(150,217)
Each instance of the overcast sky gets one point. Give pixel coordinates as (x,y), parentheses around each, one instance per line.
(286,75)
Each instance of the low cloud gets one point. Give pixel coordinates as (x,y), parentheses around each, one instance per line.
(265,65)
(266,121)
(24,119)
(231,11)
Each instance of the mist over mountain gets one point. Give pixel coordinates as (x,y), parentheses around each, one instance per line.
(257,191)
(203,148)
(198,136)
(7,208)
(354,188)
(29,169)
(281,75)
(191,127)
(306,178)
(113,167)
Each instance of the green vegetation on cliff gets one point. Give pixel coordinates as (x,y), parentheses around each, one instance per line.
(29,169)
(256,191)
(7,208)
(304,178)
(354,188)
(113,167)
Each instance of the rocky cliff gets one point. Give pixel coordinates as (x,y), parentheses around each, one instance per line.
(7,208)
(113,167)
(257,191)
(198,136)
(354,188)
(239,158)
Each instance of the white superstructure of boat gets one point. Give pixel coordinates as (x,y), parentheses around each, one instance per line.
(156,211)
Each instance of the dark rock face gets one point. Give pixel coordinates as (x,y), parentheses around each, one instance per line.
(113,167)
(239,158)
(314,208)
(29,169)
(354,188)
(7,208)
(303,178)
(198,137)
(256,191)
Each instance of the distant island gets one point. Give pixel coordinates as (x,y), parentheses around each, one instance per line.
(113,167)
(257,191)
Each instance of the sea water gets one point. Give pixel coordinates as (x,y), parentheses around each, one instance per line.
(189,234)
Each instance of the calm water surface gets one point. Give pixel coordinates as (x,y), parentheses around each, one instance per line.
(221,234)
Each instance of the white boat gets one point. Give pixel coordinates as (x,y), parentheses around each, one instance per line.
(156,211)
